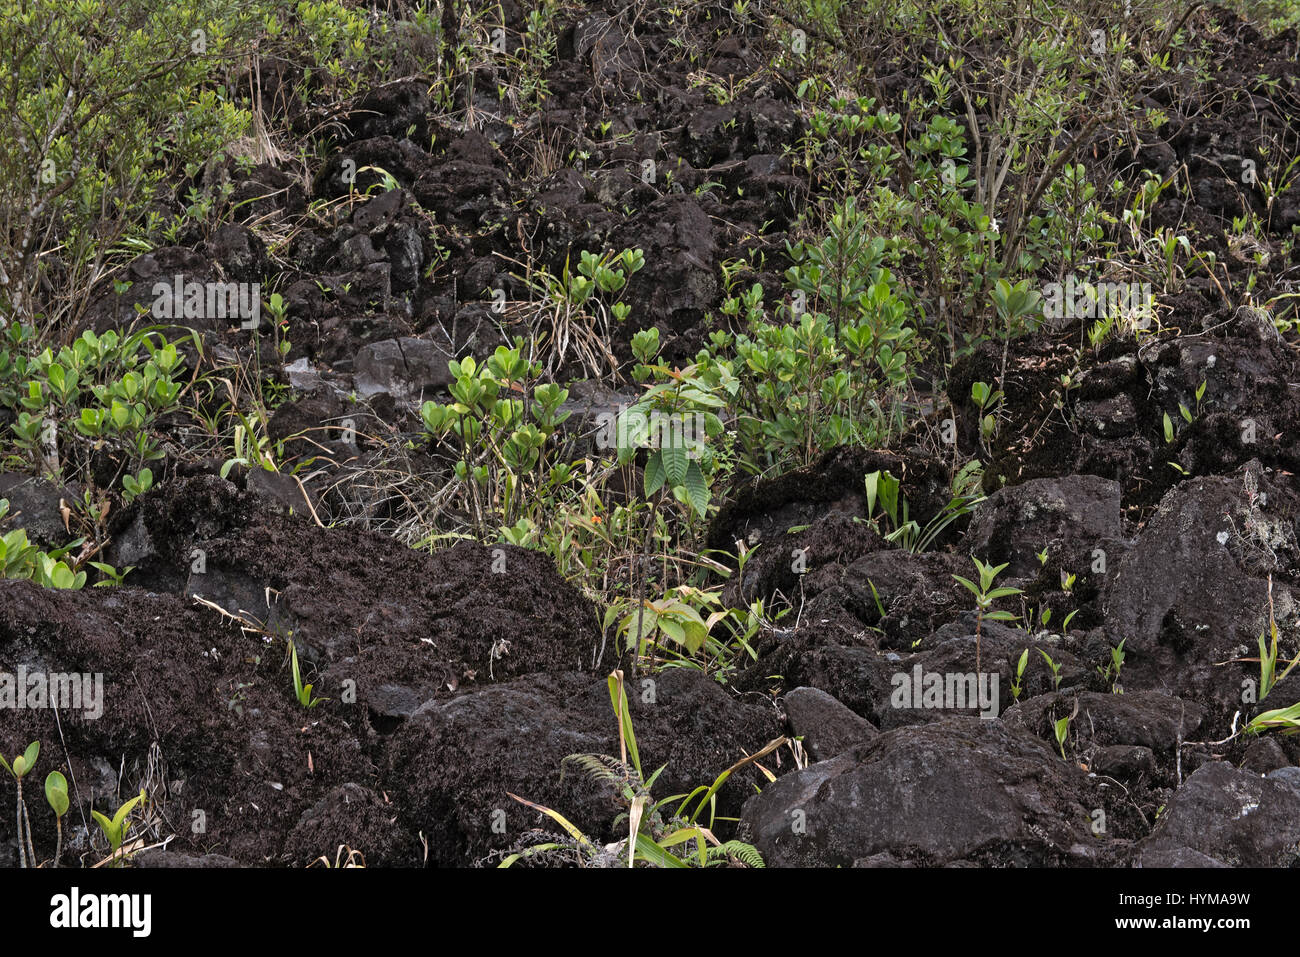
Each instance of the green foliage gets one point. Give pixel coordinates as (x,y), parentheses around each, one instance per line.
(673,422)
(115,829)
(883,487)
(253,446)
(836,373)
(101,393)
(572,319)
(1054,668)
(56,793)
(672,617)
(1111,671)
(1061,728)
(1268,655)
(106,104)
(23,763)
(20,559)
(1017,683)
(301,691)
(497,430)
(1015,305)
(985,595)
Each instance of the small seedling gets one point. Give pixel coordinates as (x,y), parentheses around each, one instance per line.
(133,486)
(23,763)
(1268,653)
(986,398)
(1110,673)
(1065,625)
(115,830)
(1062,728)
(1055,668)
(112,578)
(302,691)
(1017,683)
(56,792)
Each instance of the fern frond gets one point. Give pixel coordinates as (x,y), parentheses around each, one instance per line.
(600,767)
(746,854)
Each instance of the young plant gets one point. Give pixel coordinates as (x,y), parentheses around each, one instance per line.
(673,617)
(1017,683)
(1268,653)
(985,595)
(986,397)
(301,691)
(1054,667)
(498,440)
(115,830)
(22,765)
(133,486)
(672,424)
(1110,673)
(111,577)
(1061,727)
(56,793)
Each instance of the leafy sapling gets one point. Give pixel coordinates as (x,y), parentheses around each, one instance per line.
(985,595)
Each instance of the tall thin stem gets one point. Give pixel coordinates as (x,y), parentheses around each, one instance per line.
(22,847)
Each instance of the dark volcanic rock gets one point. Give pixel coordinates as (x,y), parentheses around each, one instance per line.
(955,791)
(826,726)
(1231,816)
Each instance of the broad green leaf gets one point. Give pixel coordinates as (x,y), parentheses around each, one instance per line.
(56,792)
(676,461)
(654,473)
(697,489)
